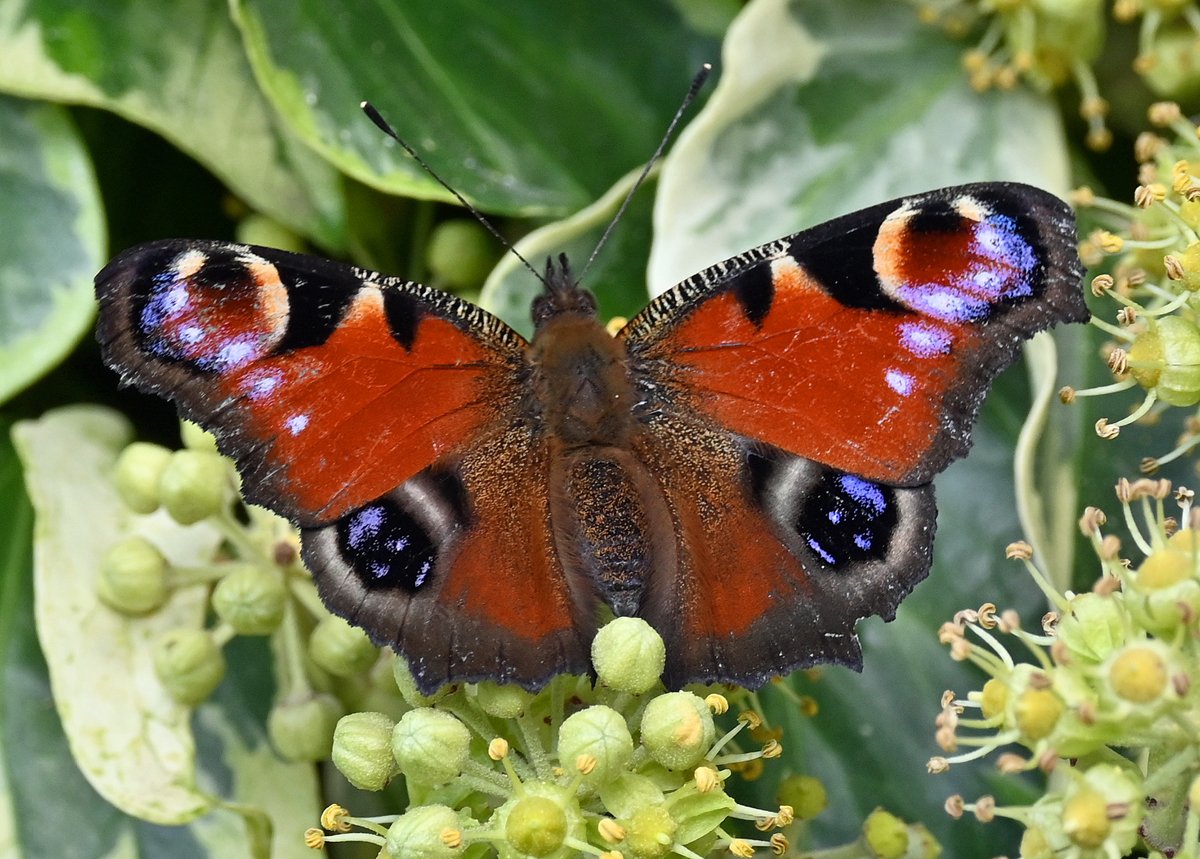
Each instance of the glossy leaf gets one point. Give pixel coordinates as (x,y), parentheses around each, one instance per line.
(177,68)
(828,107)
(52,243)
(533,108)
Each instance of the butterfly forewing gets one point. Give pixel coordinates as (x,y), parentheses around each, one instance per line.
(867,343)
(329,385)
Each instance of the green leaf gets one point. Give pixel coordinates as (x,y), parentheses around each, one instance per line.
(529,108)
(827,107)
(617,277)
(52,244)
(178,68)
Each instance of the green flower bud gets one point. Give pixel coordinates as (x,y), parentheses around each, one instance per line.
(1162,612)
(461,253)
(886,834)
(1108,791)
(650,833)
(426,832)
(501,702)
(194,486)
(301,729)
(601,732)
(994,699)
(430,746)
(1139,674)
(189,664)
(251,599)
(256,229)
(362,750)
(1164,568)
(536,826)
(1037,712)
(133,577)
(628,792)
(1085,819)
(408,686)
(1169,359)
(196,437)
(678,730)
(1173,75)
(1092,627)
(137,474)
(628,655)
(805,794)
(341,649)
(537,823)
(1034,844)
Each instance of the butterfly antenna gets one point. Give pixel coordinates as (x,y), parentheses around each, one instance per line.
(693,90)
(375,117)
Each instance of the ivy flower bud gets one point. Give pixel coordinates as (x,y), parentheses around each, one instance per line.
(460,253)
(628,655)
(431,746)
(301,729)
(994,698)
(677,730)
(1166,359)
(189,664)
(886,834)
(408,686)
(137,474)
(362,750)
(501,701)
(196,437)
(805,795)
(133,577)
(1103,810)
(1036,712)
(417,834)
(1139,673)
(601,732)
(251,599)
(1092,627)
(538,823)
(341,649)
(651,833)
(194,486)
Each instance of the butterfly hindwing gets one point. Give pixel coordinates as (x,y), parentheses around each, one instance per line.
(868,343)
(457,569)
(330,385)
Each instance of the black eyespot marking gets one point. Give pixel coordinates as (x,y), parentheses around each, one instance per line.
(845,519)
(755,289)
(935,216)
(387,547)
(316,308)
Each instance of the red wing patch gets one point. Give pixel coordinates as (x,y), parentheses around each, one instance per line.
(868,343)
(329,390)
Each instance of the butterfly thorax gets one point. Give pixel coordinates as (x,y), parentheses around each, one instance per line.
(581,381)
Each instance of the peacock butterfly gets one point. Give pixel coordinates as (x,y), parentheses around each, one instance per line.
(746,465)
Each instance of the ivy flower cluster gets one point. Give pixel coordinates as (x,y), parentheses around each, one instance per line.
(259,587)
(1106,698)
(615,768)
(1045,43)
(1154,248)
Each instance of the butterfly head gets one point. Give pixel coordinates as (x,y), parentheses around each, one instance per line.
(563,294)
